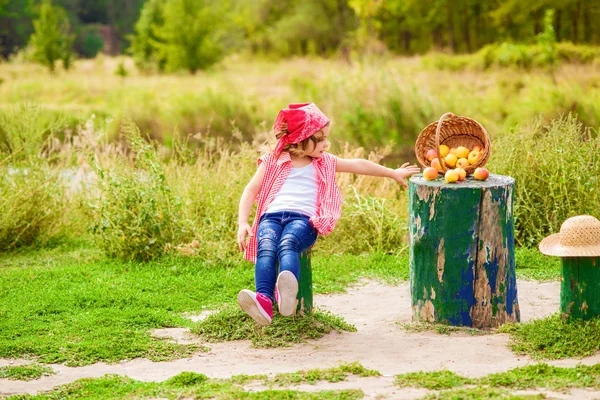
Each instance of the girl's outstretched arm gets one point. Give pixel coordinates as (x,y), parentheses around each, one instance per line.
(366,167)
(246,203)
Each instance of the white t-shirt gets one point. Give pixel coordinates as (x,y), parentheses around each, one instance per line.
(298,192)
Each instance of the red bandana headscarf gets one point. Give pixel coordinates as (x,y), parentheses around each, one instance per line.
(303,121)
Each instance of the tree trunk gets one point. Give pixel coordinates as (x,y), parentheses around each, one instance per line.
(462,264)
(305,290)
(580,287)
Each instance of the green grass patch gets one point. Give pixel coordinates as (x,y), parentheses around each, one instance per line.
(480,393)
(546,376)
(497,385)
(194,385)
(27,372)
(432,380)
(552,338)
(336,374)
(73,305)
(233,324)
(533,265)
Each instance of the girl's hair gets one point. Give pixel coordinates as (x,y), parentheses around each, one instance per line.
(297,149)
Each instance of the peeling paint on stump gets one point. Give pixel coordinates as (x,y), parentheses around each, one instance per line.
(580,288)
(462,265)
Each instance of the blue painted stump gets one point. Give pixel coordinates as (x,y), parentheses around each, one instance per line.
(462,264)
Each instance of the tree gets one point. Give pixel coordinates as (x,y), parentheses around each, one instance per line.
(52,39)
(145,41)
(190,37)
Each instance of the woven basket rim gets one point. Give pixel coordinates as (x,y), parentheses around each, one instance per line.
(436,127)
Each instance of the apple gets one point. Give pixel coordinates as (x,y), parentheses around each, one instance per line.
(444,150)
(453,150)
(474,156)
(430,173)
(481,174)
(431,154)
(435,163)
(462,163)
(462,152)
(450,160)
(462,174)
(451,176)
(477,148)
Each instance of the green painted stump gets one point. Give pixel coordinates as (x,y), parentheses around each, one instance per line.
(580,287)
(305,294)
(462,263)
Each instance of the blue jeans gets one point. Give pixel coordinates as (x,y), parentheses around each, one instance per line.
(281,237)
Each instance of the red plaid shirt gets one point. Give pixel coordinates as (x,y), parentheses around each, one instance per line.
(329,198)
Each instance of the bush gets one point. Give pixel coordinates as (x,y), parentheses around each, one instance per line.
(136,215)
(557,170)
(30,206)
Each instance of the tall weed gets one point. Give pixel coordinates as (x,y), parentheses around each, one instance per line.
(31,206)
(557,173)
(136,214)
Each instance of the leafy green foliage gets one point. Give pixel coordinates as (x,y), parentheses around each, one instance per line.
(52,39)
(145,40)
(25,372)
(179,34)
(233,324)
(556,168)
(136,215)
(553,338)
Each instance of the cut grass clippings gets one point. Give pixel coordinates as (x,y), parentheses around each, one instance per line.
(194,385)
(233,324)
(554,338)
(26,372)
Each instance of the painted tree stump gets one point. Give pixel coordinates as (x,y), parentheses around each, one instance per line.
(580,287)
(462,263)
(305,293)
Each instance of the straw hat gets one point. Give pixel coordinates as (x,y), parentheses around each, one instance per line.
(579,237)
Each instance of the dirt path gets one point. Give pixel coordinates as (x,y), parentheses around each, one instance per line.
(378,312)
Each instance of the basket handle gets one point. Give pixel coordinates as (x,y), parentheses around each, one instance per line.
(437,138)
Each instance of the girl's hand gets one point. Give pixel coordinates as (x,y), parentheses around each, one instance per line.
(404,172)
(243,230)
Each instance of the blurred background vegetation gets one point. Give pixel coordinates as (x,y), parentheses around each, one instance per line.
(201,81)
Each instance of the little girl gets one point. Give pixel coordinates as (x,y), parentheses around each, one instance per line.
(298,199)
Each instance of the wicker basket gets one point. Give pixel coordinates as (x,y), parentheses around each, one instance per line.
(453,131)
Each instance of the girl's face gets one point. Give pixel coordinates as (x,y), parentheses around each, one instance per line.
(316,150)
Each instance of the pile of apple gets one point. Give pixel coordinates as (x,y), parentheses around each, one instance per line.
(456,159)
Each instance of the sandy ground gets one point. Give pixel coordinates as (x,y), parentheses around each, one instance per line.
(381,343)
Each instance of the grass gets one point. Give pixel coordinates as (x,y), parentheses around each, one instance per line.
(480,393)
(552,338)
(432,380)
(233,324)
(499,385)
(72,305)
(26,372)
(194,385)
(532,265)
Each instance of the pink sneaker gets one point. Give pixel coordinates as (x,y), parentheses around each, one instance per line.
(256,305)
(286,293)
